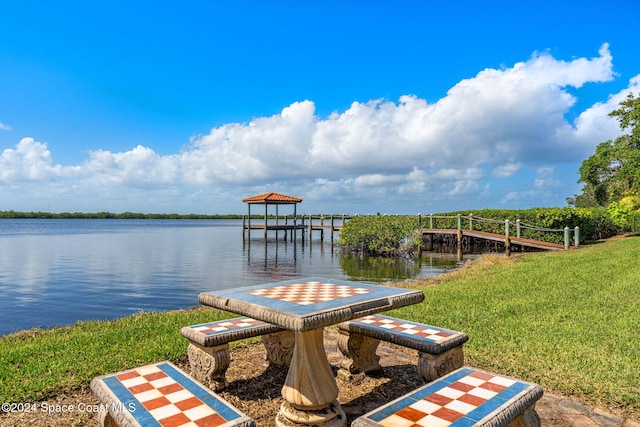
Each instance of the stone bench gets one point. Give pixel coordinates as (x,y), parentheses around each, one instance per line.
(439,350)
(161,394)
(208,349)
(465,397)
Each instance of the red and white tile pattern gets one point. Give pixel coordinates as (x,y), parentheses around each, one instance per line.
(430,333)
(227,325)
(166,400)
(306,293)
(451,403)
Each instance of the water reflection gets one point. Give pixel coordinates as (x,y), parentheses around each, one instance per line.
(271,259)
(58,272)
(378,269)
(280,259)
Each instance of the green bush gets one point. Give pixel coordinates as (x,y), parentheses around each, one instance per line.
(381,235)
(624,215)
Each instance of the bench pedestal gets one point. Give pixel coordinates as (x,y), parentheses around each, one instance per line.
(105,420)
(359,353)
(209,364)
(433,366)
(209,347)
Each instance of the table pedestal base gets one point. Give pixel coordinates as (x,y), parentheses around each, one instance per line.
(331,416)
(310,391)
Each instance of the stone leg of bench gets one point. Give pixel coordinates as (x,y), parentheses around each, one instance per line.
(528,418)
(209,364)
(359,352)
(105,420)
(433,366)
(279,347)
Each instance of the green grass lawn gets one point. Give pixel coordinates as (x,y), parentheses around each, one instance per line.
(38,364)
(568,320)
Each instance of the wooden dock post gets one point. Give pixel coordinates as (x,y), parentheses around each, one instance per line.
(459,230)
(286,222)
(421,233)
(265,222)
(507,239)
(248,225)
(331,229)
(244,227)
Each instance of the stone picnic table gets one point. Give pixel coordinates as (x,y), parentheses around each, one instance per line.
(305,307)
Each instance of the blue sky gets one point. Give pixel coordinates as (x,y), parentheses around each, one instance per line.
(356,107)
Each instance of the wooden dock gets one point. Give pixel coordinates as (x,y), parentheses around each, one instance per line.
(306,224)
(507,240)
(513,234)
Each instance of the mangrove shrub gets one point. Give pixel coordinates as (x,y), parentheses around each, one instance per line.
(393,235)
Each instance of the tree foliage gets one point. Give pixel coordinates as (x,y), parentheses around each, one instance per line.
(613,171)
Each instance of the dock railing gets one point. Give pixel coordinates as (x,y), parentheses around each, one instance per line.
(501,227)
(322,222)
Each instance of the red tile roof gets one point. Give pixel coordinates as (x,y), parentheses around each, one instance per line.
(272,199)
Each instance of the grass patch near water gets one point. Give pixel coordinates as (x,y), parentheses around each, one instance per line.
(38,364)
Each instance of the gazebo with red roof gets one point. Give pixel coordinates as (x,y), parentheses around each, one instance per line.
(276,199)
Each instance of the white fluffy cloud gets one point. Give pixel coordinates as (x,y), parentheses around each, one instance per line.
(488,129)
(29,161)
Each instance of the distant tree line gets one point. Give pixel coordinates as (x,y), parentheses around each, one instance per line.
(122,215)
(111,215)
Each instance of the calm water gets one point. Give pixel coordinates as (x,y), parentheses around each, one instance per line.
(56,272)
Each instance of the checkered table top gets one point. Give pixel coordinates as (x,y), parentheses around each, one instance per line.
(310,292)
(430,333)
(461,398)
(162,395)
(309,303)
